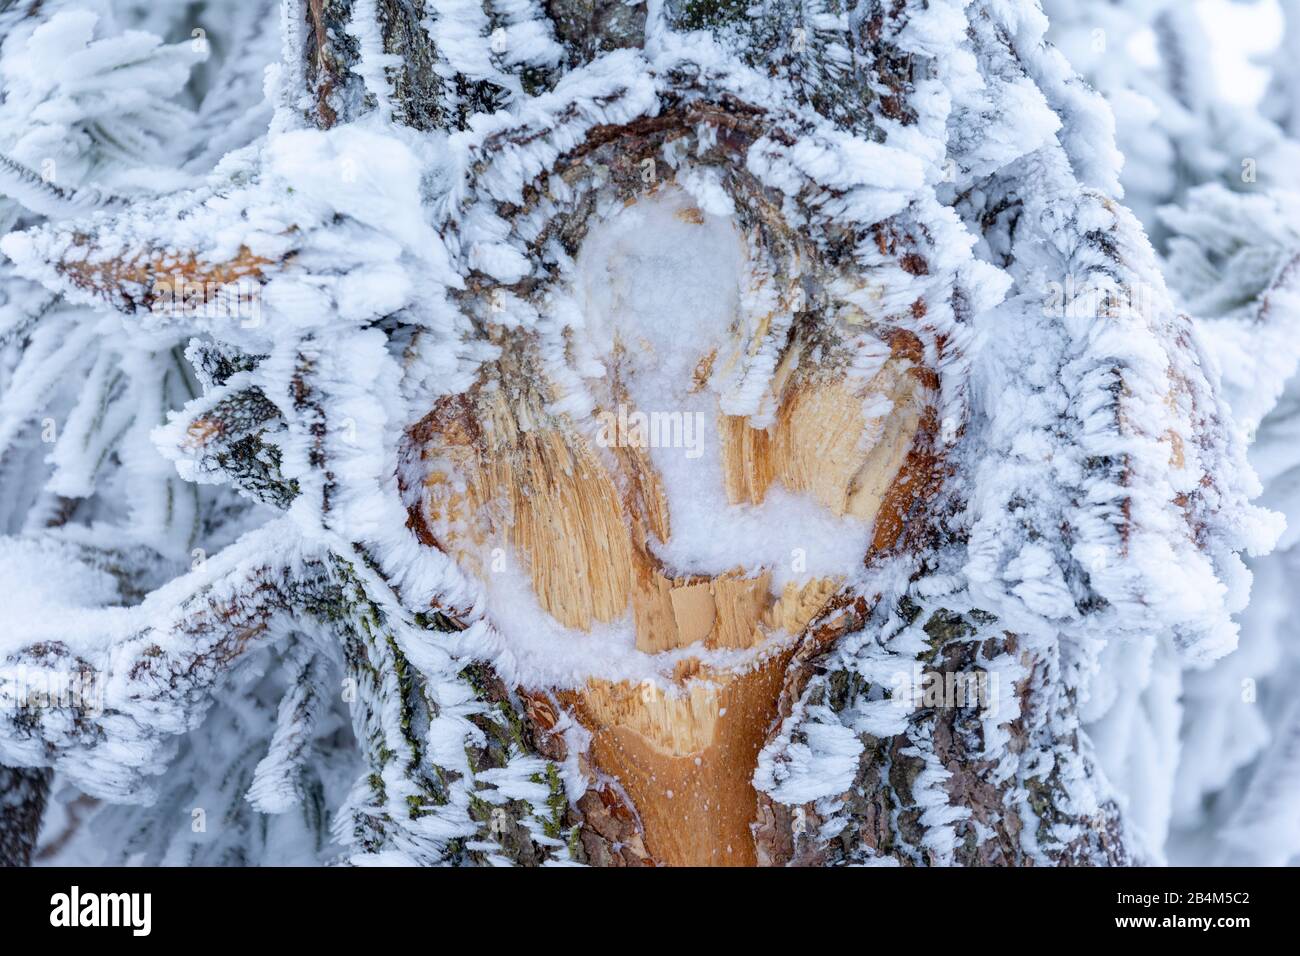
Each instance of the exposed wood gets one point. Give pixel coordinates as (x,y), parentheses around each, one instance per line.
(824,445)
(504,472)
(687,760)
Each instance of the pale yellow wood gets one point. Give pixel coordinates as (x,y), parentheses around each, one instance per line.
(503,472)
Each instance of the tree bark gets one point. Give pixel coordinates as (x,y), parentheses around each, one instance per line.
(23,794)
(671,775)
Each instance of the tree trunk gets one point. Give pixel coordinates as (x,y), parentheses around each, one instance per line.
(23,794)
(680,759)
(752,544)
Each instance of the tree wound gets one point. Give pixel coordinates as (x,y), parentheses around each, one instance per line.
(587,512)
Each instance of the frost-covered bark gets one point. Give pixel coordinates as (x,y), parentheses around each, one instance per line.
(23,793)
(302,404)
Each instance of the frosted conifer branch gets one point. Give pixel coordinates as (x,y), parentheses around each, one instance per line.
(46,198)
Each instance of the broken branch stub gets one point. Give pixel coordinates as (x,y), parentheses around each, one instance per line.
(686,451)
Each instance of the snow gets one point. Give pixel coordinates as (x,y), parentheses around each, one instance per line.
(669,292)
(821,764)
(529,648)
(50,592)
(357,173)
(1101,509)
